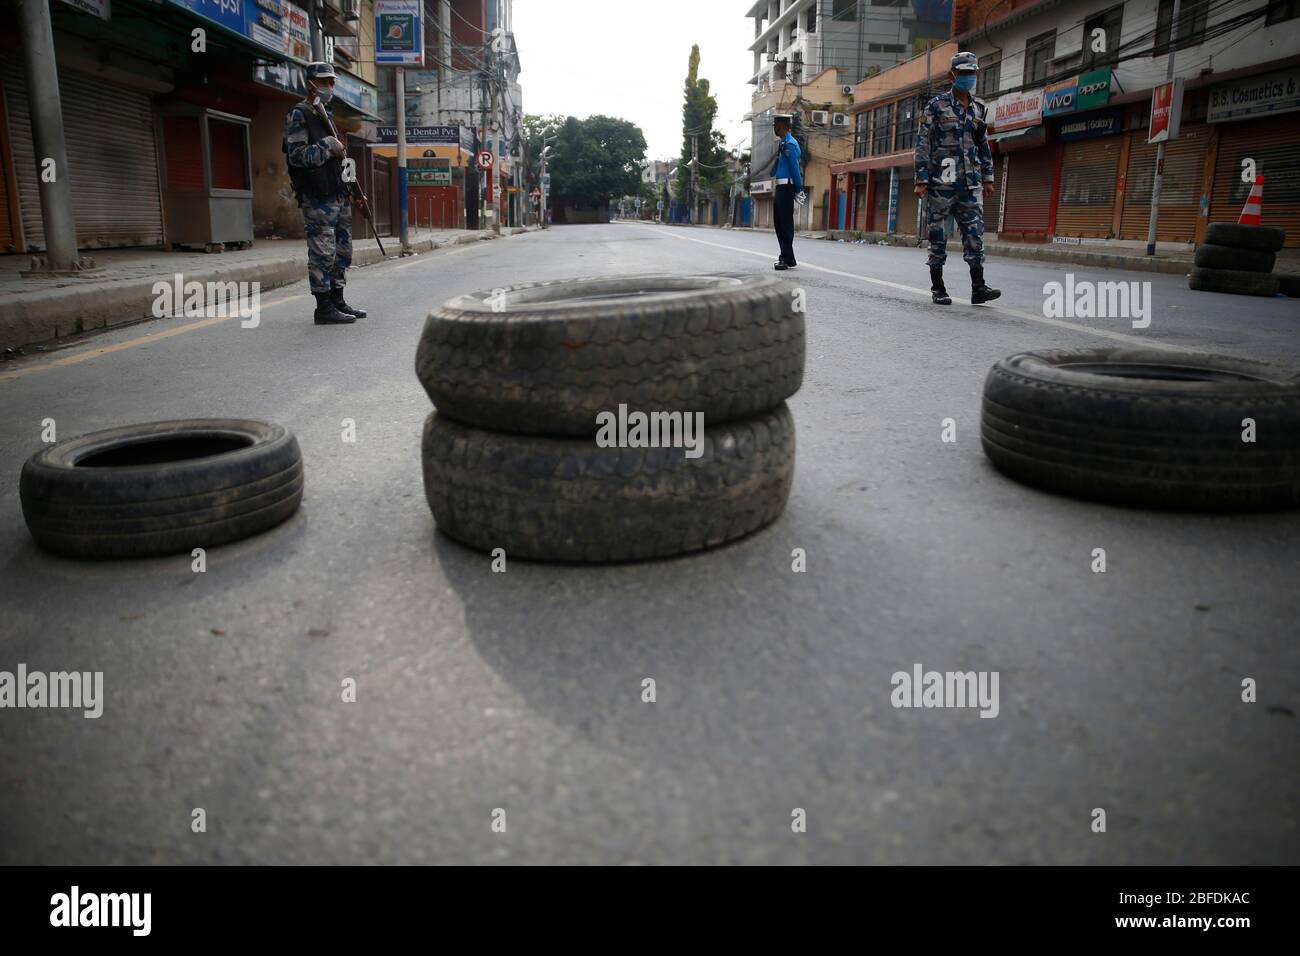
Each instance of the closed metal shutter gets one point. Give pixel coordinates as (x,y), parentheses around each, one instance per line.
(1029,191)
(1089,170)
(112,161)
(1180,189)
(1274,145)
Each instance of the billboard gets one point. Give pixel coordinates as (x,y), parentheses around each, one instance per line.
(399,37)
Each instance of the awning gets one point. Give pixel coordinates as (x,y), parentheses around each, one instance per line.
(1027,138)
(904,159)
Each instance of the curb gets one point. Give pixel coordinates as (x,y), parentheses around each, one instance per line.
(51,314)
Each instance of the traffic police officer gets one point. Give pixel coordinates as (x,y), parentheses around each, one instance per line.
(953,166)
(789,188)
(315,159)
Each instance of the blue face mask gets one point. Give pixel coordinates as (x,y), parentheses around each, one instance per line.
(964,82)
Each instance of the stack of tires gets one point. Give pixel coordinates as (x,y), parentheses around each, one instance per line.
(1239,259)
(534,446)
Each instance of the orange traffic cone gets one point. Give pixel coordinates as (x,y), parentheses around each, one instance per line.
(1250,213)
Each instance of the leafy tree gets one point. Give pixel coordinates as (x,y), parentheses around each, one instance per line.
(537,130)
(596,159)
(699,111)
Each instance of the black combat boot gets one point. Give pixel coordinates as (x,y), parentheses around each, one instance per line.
(336,296)
(327,312)
(938,294)
(979,292)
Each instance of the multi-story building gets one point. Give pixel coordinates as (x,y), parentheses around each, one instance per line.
(808,55)
(1069,87)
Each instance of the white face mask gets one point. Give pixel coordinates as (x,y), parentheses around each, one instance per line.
(324,92)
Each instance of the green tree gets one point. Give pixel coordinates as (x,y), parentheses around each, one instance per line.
(537,131)
(699,111)
(596,159)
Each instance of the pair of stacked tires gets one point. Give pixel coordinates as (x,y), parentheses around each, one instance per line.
(519,376)
(1239,259)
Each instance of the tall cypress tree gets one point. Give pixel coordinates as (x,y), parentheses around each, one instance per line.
(698,113)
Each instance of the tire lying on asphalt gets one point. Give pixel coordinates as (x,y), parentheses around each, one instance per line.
(566,499)
(1261,238)
(1227,257)
(161,488)
(544,358)
(1153,428)
(1237,283)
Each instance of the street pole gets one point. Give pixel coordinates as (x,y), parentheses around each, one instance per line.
(543,184)
(695,167)
(47,136)
(1160,150)
(404,224)
(313,24)
(483,174)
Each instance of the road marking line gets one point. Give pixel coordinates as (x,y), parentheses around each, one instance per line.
(1028,316)
(76,358)
(418,259)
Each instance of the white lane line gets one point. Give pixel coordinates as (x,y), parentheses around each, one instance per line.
(992,307)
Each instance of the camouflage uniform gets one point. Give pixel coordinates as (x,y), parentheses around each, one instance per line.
(952,131)
(327,219)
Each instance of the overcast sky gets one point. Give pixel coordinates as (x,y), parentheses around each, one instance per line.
(628,59)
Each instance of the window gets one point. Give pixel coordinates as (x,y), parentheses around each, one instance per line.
(882,128)
(862,129)
(1280,10)
(842,77)
(990,79)
(1191,25)
(905,125)
(812,18)
(885,47)
(1039,52)
(844,10)
(1108,21)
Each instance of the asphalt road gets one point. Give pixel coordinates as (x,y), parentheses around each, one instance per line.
(522,691)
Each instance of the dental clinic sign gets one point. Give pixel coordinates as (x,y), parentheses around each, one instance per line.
(399,40)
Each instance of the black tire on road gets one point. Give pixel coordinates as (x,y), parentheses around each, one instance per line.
(1288,285)
(1233,282)
(544,358)
(1229,257)
(161,488)
(1144,427)
(565,499)
(1260,238)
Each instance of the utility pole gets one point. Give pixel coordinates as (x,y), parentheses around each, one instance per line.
(1160,150)
(483,174)
(545,150)
(313,26)
(47,136)
(695,167)
(403,224)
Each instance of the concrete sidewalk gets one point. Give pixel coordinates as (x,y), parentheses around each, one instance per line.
(1171,258)
(38,310)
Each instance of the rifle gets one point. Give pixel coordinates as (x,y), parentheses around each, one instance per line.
(354,188)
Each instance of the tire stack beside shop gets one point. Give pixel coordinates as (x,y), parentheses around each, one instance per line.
(518,377)
(1239,259)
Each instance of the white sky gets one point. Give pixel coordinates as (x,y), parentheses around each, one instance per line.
(628,58)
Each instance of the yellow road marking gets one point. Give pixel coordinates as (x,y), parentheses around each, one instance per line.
(991,306)
(76,358)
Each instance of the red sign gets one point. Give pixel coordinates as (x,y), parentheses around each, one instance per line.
(1166,110)
(484,160)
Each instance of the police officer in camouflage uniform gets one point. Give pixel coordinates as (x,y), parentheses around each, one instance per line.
(315,159)
(953,167)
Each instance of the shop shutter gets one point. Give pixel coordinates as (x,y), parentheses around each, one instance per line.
(112,160)
(1029,191)
(1274,145)
(1089,170)
(1180,190)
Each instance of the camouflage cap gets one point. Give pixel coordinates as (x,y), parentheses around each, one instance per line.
(320,71)
(964,61)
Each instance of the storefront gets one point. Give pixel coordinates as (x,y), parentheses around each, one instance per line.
(1092,149)
(115,190)
(1027,167)
(1258,118)
(1181,186)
